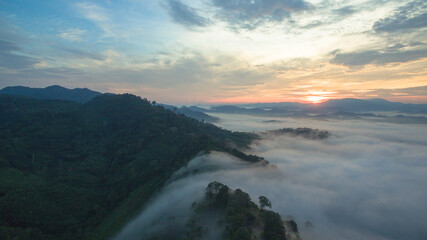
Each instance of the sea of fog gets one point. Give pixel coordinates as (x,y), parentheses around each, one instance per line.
(368,180)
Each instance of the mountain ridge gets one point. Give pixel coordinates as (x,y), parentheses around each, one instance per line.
(83,95)
(344,104)
(54,92)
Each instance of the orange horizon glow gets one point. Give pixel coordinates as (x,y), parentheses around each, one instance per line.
(315,99)
(247,100)
(311,99)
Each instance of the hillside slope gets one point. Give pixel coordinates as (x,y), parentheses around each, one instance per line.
(80,171)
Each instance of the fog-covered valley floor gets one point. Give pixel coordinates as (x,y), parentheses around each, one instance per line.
(366,181)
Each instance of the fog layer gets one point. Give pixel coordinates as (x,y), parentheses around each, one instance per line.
(367,181)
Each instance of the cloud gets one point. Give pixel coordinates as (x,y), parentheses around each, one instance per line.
(82,54)
(345,11)
(185,15)
(179,77)
(10,32)
(399,92)
(93,12)
(409,17)
(377,57)
(194,70)
(99,16)
(360,183)
(73,34)
(6,46)
(313,24)
(8,59)
(172,206)
(250,14)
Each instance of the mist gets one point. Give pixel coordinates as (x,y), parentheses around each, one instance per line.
(366,181)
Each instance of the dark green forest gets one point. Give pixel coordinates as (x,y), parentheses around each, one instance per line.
(228,214)
(81,171)
(236,216)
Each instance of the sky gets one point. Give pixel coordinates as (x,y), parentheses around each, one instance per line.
(219,51)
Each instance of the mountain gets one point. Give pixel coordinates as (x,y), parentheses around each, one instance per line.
(348,108)
(371,105)
(187,111)
(401,107)
(345,104)
(356,105)
(350,105)
(55,92)
(193,112)
(197,109)
(83,95)
(288,105)
(81,171)
(235,109)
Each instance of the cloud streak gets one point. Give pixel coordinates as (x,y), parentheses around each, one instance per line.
(377,57)
(185,15)
(409,17)
(73,34)
(99,16)
(249,15)
(10,60)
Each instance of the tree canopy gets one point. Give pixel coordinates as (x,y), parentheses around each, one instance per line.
(80,171)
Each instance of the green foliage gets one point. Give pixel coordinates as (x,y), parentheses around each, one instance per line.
(239,218)
(213,188)
(80,171)
(246,157)
(273,226)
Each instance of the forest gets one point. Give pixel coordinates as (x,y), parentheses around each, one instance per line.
(237,217)
(80,171)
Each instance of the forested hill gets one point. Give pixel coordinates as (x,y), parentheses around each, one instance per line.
(54,92)
(230,214)
(80,171)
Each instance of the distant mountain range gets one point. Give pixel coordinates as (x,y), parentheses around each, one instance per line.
(55,92)
(347,108)
(193,112)
(335,105)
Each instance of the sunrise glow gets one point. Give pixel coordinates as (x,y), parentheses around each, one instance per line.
(315,99)
(196,51)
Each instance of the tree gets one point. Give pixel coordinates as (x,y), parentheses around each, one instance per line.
(264,202)
(213,189)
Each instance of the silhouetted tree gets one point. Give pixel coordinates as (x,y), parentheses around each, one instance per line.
(264,202)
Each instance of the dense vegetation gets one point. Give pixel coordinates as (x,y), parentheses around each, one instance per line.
(308,133)
(238,219)
(80,171)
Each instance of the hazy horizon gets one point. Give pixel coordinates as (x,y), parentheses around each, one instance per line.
(230,103)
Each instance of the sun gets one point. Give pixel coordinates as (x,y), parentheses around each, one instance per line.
(315,99)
